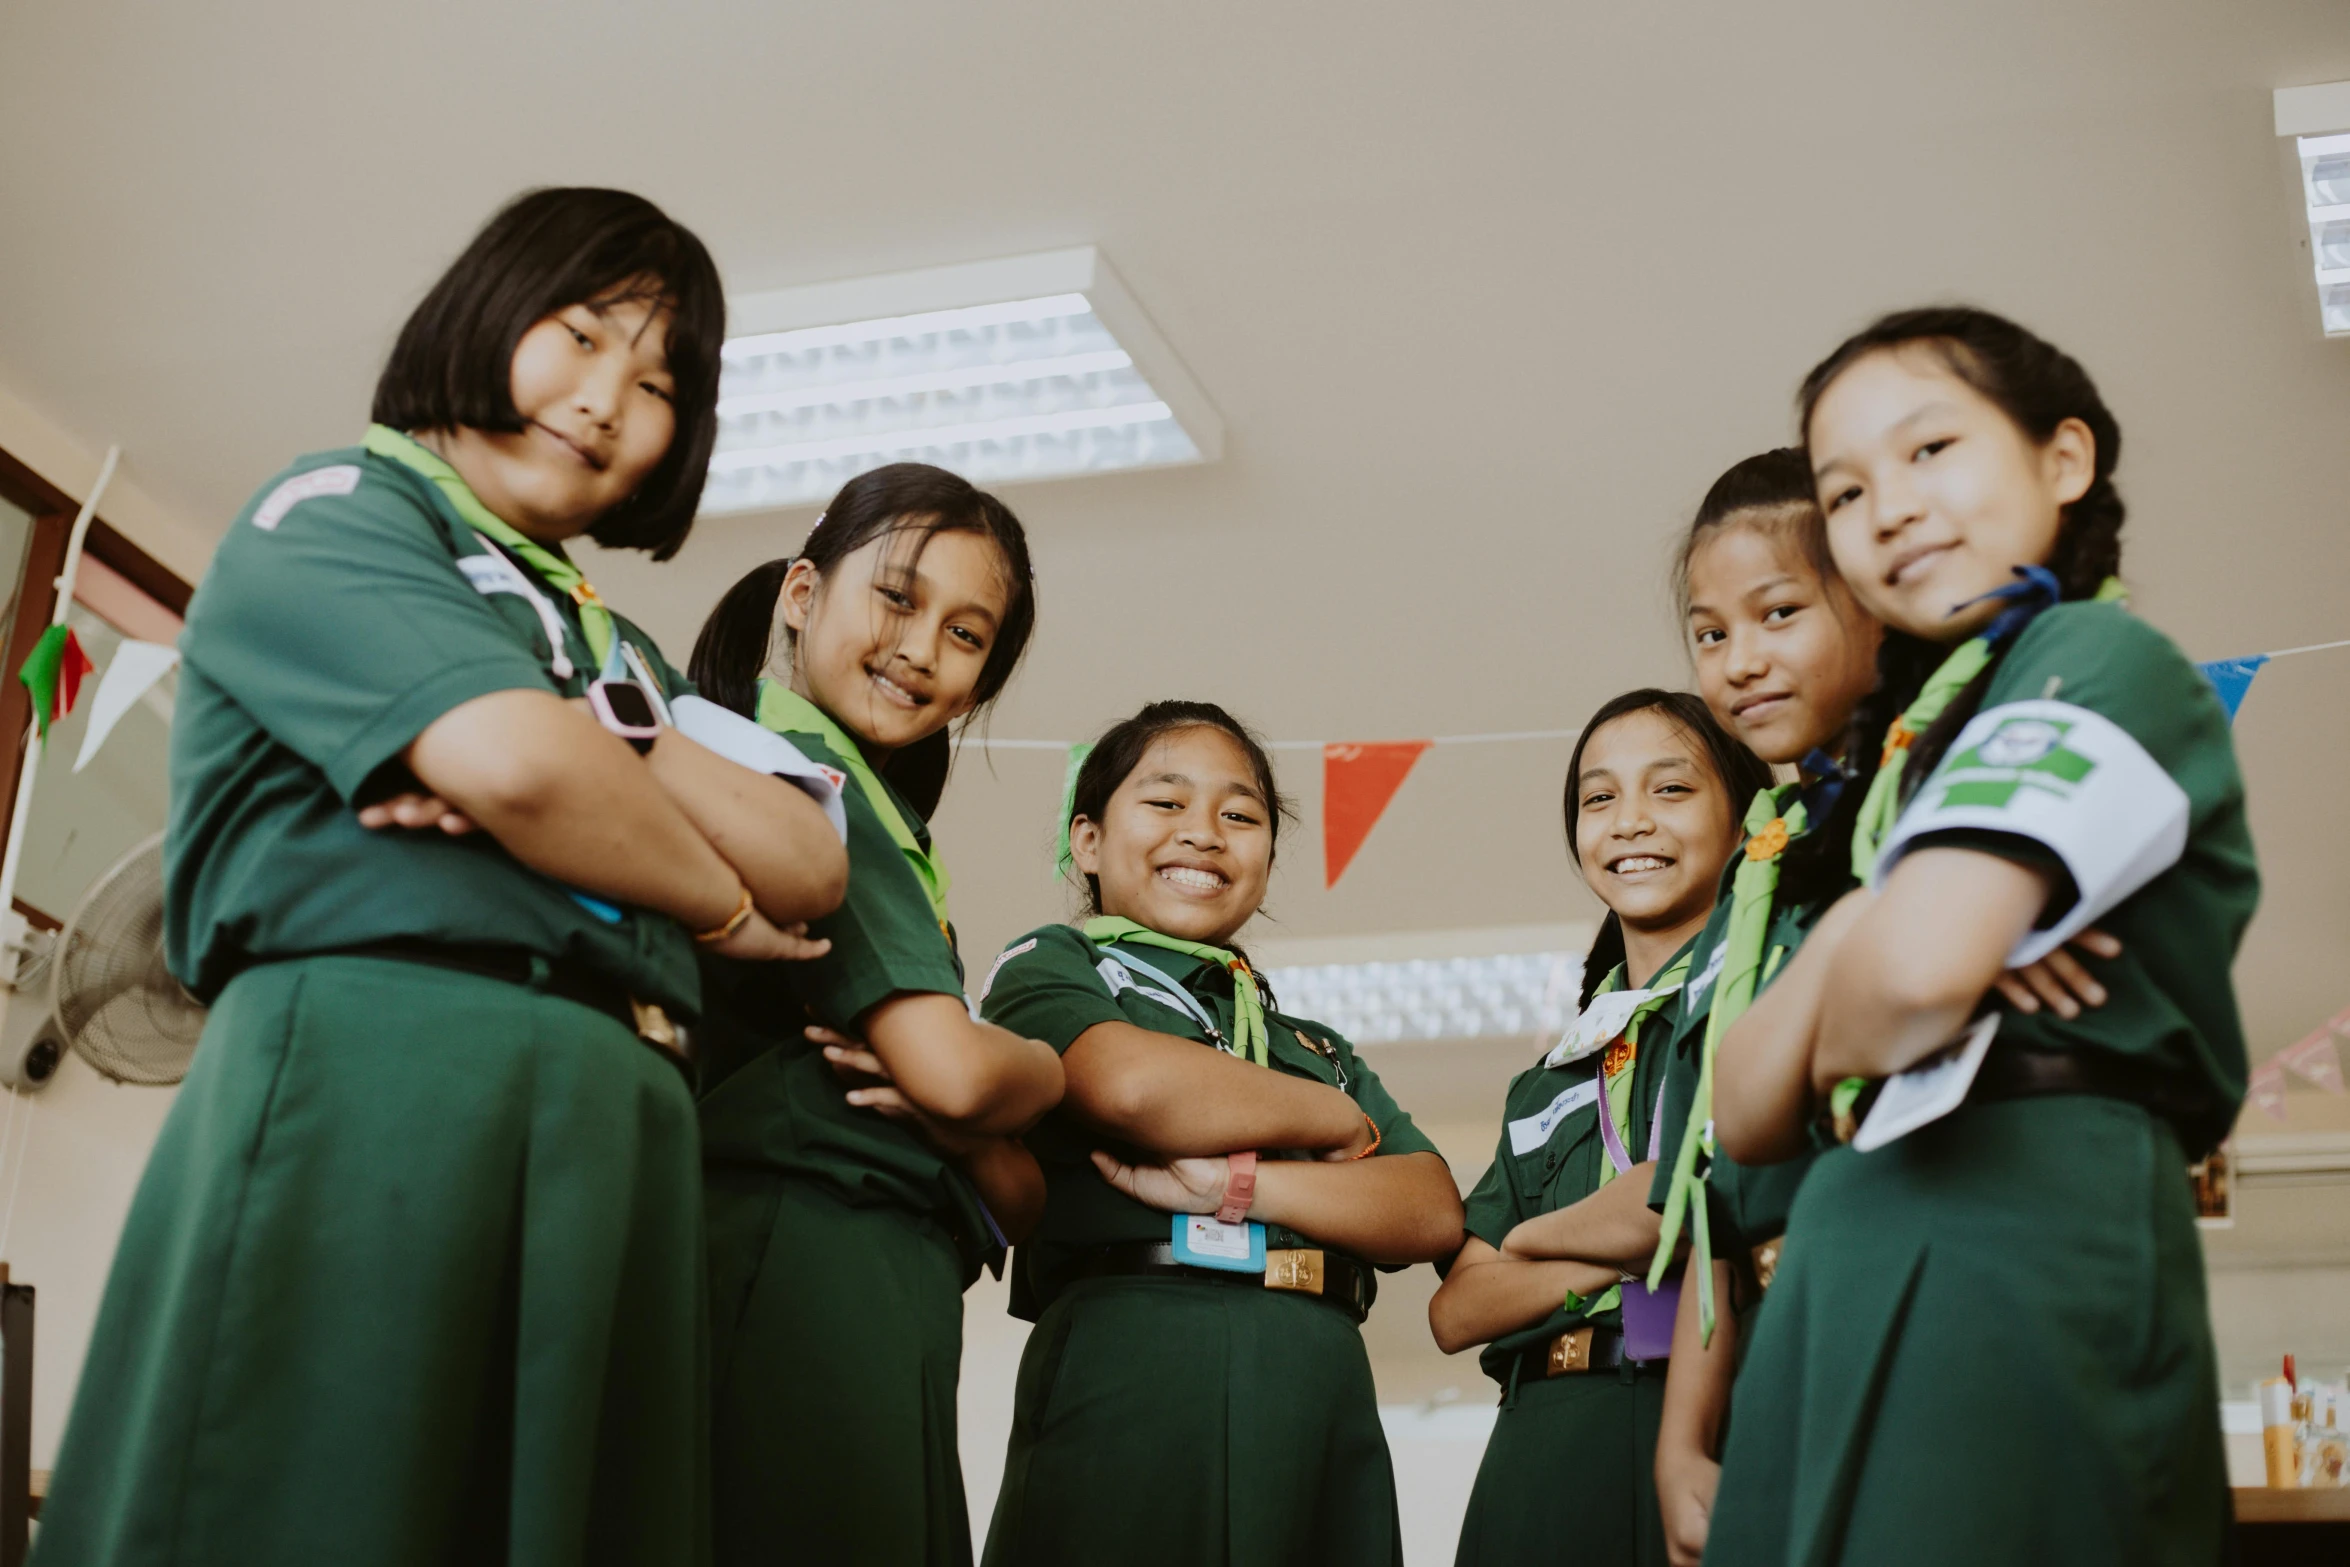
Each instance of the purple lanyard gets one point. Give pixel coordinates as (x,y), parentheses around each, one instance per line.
(1612,1139)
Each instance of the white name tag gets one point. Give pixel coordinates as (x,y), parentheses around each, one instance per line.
(1711,972)
(1928,1091)
(1212,1237)
(1530,1134)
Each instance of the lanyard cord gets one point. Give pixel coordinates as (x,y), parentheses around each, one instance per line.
(560,574)
(1248,1006)
(1752,891)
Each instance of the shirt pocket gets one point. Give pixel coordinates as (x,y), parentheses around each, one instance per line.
(1564,1123)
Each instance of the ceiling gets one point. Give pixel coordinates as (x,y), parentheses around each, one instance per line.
(1485,296)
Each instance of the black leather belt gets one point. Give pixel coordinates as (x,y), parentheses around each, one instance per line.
(1330,1277)
(2018,1073)
(534,971)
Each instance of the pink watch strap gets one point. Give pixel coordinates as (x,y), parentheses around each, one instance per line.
(1240,1187)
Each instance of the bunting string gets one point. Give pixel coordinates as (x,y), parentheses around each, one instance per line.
(1360,777)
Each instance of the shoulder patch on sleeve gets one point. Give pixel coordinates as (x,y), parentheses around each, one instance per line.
(1002,958)
(2069,779)
(340,479)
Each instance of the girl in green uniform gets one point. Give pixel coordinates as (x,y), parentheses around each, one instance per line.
(858,1124)
(1988,1339)
(1576,1343)
(1783,655)
(1195,1393)
(413,1272)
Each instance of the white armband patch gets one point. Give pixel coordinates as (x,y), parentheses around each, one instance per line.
(341,479)
(762,750)
(2069,779)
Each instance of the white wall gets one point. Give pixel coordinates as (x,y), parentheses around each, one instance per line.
(69,1164)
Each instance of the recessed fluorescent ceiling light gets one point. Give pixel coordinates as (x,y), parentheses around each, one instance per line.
(2318,118)
(1531,993)
(1036,367)
(2325,180)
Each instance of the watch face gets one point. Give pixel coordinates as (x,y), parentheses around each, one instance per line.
(629,704)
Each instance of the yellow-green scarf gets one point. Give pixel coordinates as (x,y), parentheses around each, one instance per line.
(787,712)
(1248,1007)
(560,574)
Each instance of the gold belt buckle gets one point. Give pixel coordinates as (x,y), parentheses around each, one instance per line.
(1570,1352)
(653,1026)
(1294,1268)
(1766,1260)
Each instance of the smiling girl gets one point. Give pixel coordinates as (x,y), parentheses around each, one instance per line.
(1654,791)
(1195,1392)
(859,1125)
(1988,1339)
(1784,655)
(413,1272)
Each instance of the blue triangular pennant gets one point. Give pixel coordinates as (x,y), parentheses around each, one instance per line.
(2231,678)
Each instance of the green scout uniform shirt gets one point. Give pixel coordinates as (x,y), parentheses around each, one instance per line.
(1749,1203)
(1564,1169)
(2090,686)
(338,620)
(1047,986)
(773,1101)
(2050,1234)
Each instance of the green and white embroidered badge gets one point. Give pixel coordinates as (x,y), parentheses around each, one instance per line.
(2022,753)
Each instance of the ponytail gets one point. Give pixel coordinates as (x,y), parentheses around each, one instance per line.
(736,641)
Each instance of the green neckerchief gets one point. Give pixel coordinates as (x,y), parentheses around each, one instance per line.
(1248,1007)
(1752,889)
(1882,805)
(787,712)
(594,619)
(1619,1107)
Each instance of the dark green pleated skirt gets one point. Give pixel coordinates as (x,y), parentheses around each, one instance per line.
(838,1343)
(1987,1342)
(1174,1423)
(1569,1475)
(413,1275)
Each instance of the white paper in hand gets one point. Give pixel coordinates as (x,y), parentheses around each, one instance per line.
(763,751)
(1928,1091)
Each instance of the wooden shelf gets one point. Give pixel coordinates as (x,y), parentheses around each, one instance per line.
(2258,1504)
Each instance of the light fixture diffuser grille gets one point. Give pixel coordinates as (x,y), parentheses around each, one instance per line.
(1033,387)
(2325,187)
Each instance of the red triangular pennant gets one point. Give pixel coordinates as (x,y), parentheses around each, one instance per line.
(1358,780)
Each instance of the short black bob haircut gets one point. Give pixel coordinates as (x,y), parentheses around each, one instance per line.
(545,251)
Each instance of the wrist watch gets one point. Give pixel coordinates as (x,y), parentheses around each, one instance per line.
(1240,1187)
(622,707)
